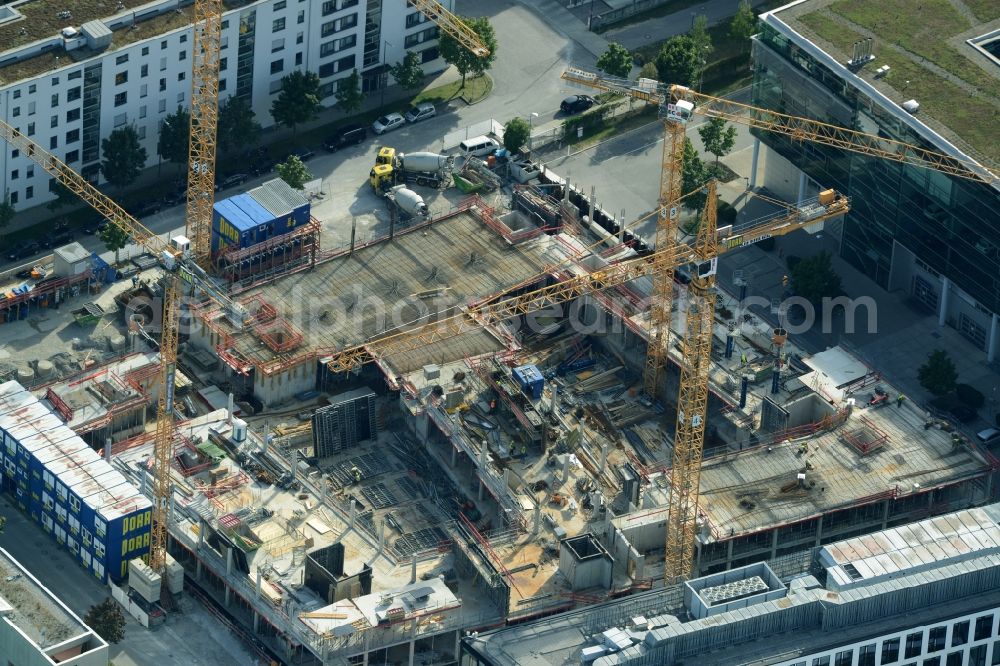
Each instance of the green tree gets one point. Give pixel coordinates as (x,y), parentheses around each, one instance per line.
(175,133)
(694,175)
(64,195)
(814,279)
(702,45)
(743,25)
(678,61)
(717,137)
(238,126)
(408,74)
(349,95)
(114,238)
(294,172)
(124,157)
(615,61)
(649,71)
(516,134)
(298,101)
(107,620)
(6,212)
(938,374)
(464,60)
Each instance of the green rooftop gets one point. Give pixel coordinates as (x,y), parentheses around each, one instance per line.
(924,44)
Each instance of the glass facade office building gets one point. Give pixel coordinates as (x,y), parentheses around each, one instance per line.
(910,229)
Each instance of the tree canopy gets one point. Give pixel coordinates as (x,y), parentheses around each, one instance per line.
(114,238)
(717,137)
(238,126)
(7,212)
(408,74)
(464,60)
(124,156)
(294,172)
(175,135)
(938,374)
(349,96)
(298,101)
(814,279)
(615,61)
(694,175)
(743,25)
(516,134)
(107,619)
(678,61)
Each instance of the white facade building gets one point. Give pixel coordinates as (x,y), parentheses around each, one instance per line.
(69,100)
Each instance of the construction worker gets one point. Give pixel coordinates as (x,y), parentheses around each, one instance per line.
(357,473)
(900,399)
(524,449)
(784,280)
(743,358)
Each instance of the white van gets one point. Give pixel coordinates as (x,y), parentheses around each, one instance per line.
(478,146)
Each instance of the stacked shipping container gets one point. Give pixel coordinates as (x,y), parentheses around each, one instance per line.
(273,209)
(78,498)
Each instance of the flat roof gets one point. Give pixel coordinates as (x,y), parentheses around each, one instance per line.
(930,60)
(354,298)
(35,611)
(749,490)
(243,212)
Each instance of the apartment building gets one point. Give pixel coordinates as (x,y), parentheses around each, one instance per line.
(93,74)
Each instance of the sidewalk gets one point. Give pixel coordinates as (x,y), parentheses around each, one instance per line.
(563,21)
(658,29)
(269,136)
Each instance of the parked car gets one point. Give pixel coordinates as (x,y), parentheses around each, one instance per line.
(23,249)
(303,154)
(348,135)
(145,208)
(387,123)
(421,111)
(265,165)
(57,238)
(988,437)
(577,103)
(232,180)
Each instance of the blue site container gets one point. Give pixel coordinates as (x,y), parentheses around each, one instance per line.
(243,220)
(530,379)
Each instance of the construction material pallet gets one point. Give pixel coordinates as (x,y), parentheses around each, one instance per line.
(369,464)
(378,496)
(424,539)
(409,488)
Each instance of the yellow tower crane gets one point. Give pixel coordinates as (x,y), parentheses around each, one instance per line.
(678,104)
(452,25)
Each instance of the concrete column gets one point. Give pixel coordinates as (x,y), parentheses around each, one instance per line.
(604,457)
(819,530)
(537,520)
(565,469)
(803,180)
(753,163)
(260,578)
(197,569)
(991,346)
(353,514)
(454,455)
(107,450)
(413,570)
(774,544)
(885,514)
(229,561)
(201,534)
(729,553)
(945,298)
(555,398)
(482,486)
(364,659)
(381,536)
(482,454)
(229,594)
(413,648)
(256,622)
(506,477)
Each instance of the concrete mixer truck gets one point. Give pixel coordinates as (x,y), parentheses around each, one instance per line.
(427,169)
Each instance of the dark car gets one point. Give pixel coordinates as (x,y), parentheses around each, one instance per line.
(57,238)
(577,103)
(349,135)
(145,208)
(263,165)
(232,180)
(23,249)
(303,154)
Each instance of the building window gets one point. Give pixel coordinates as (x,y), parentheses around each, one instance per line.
(121,98)
(162,107)
(335,45)
(298,59)
(163,85)
(145,51)
(984,627)
(72,136)
(121,119)
(277,66)
(54,100)
(225,24)
(184,39)
(53,122)
(184,55)
(299,38)
(890,651)
(143,91)
(15,174)
(31,108)
(32,88)
(29,192)
(329,7)
(222,85)
(180,76)
(977,655)
(960,633)
(122,59)
(427,35)
(73,94)
(866,655)
(821,661)
(936,639)
(913,644)
(17,94)
(15,112)
(142,112)
(74,504)
(428,55)
(31,129)
(301,18)
(277,25)
(223,63)
(142,132)
(414,19)
(180,98)
(72,114)
(13,200)
(277,45)
(844,658)
(163,64)
(343,23)
(30,171)
(14,154)
(121,77)
(274,86)
(281,4)
(143,71)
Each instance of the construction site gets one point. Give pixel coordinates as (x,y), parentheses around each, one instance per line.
(507,406)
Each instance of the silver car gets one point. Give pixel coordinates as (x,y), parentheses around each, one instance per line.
(387,123)
(421,111)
